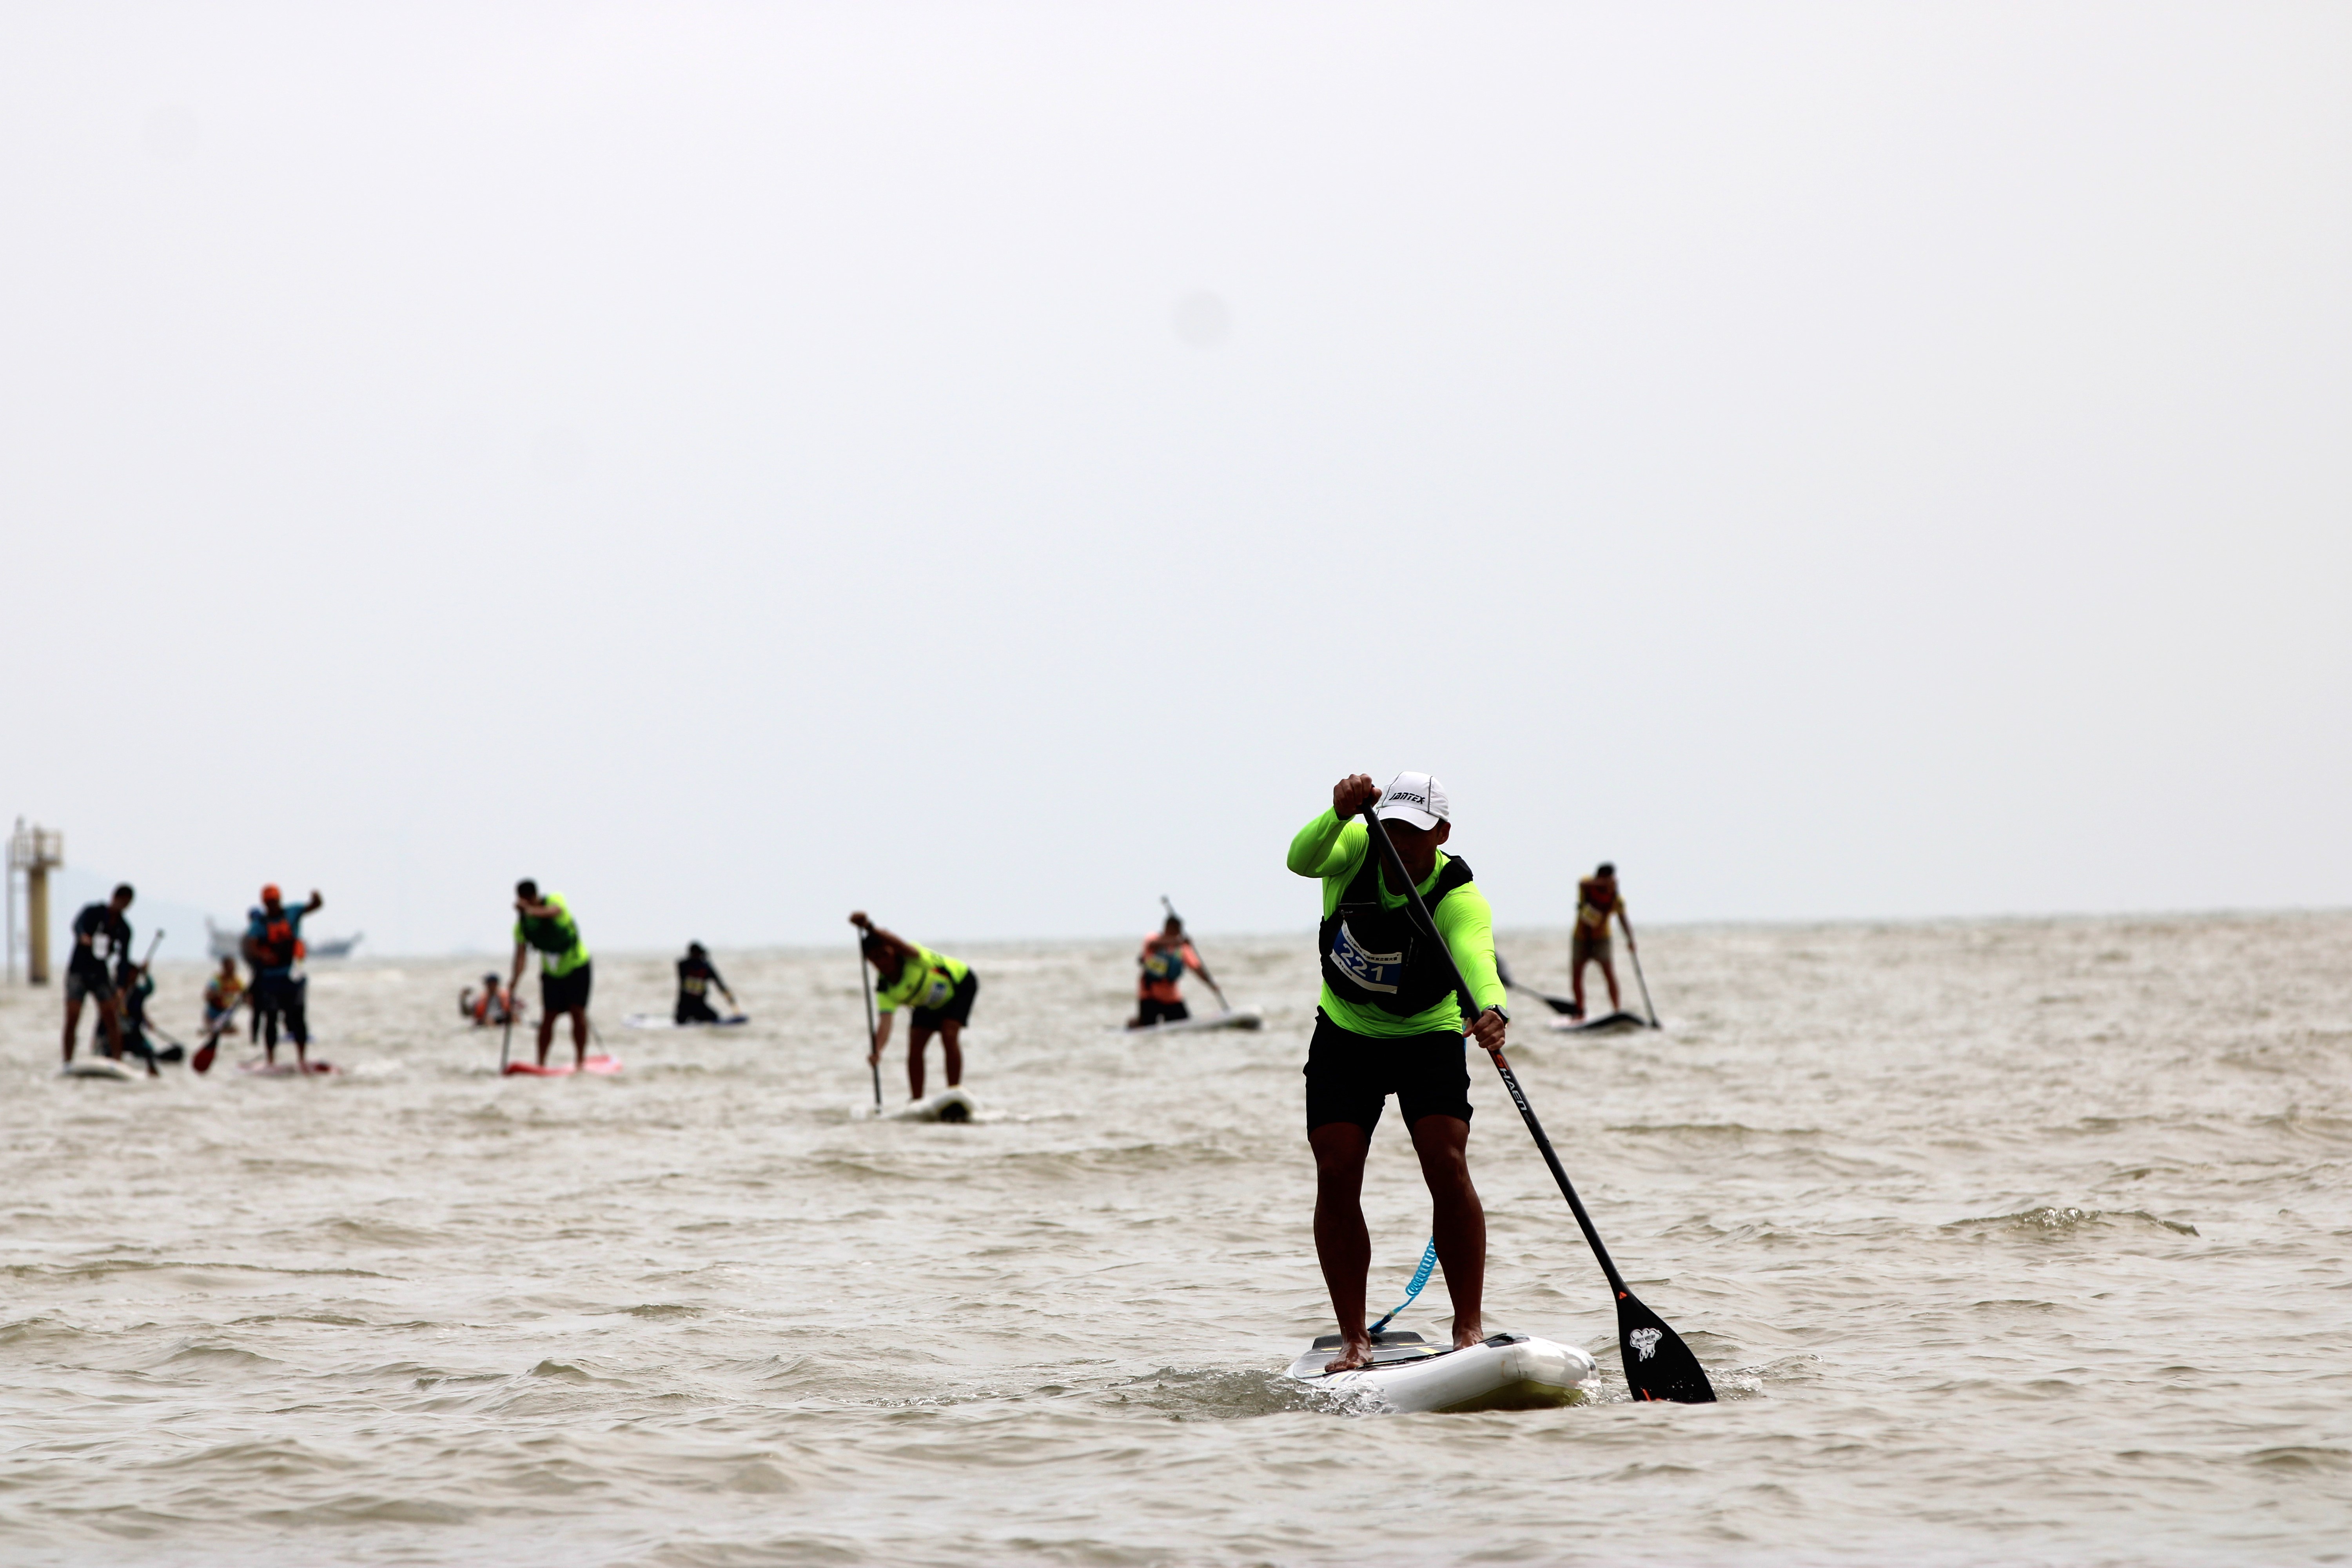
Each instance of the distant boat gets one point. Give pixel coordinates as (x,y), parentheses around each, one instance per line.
(227,943)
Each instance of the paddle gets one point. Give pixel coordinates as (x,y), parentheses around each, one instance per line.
(1222,1005)
(1633,951)
(1658,1364)
(865,984)
(506,1034)
(1557,1003)
(202,1062)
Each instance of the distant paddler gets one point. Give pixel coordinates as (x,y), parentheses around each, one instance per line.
(1598,902)
(1165,956)
(490,1006)
(565,972)
(1391,1022)
(223,992)
(273,946)
(696,975)
(101,936)
(940,989)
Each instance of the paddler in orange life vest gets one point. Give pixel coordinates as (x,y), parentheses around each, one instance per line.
(1389,1021)
(489,1005)
(940,989)
(1163,961)
(1597,900)
(273,946)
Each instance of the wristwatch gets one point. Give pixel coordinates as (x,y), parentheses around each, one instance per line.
(1502,1013)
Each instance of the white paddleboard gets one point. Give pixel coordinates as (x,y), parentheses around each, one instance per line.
(669,1021)
(1246,1019)
(259,1068)
(99,1066)
(1502,1372)
(947,1105)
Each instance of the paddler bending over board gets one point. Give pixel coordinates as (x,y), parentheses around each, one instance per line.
(939,988)
(564,971)
(1163,961)
(1389,1021)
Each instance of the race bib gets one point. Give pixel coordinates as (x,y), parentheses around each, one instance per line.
(936,994)
(1372,971)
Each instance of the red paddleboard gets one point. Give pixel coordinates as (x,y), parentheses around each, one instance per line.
(603,1066)
(283,1069)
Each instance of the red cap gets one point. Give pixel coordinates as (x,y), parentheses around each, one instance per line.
(269,892)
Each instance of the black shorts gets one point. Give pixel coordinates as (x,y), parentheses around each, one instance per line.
(563,993)
(693,1009)
(1148,1011)
(93,982)
(1349,1077)
(958,1005)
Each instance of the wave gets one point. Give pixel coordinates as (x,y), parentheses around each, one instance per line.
(2055,1220)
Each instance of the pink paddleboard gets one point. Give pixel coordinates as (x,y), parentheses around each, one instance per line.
(603,1066)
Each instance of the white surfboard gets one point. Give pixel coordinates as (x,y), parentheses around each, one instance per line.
(99,1066)
(1501,1372)
(668,1021)
(1246,1019)
(947,1105)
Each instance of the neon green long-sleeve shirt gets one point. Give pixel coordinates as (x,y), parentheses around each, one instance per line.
(1334,850)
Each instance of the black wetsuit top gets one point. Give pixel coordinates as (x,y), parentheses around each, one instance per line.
(110,939)
(697,978)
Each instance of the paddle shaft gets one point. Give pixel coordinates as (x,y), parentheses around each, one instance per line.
(865,984)
(505,1034)
(1206,978)
(1633,951)
(1395,864)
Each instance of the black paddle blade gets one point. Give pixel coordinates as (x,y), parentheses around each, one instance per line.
(1658,1365)
(1557,1003)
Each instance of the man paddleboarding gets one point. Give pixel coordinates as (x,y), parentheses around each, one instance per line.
(696,977)
(941,990)
(1389,1022)
(273,947)
(1165,956)
(101,936)
(1597,902)
(565,974)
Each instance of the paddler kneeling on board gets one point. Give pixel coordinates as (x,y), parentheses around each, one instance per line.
(1163,961)
(1390,1023)
(696,976)
(940,989)
(223,992)
(489,1007)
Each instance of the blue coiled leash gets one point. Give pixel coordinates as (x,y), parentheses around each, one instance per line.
(1420,1278)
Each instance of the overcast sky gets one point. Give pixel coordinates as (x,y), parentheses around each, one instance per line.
(993,465)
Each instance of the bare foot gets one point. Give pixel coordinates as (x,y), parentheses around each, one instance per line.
(1352,1355)
(1466,1332)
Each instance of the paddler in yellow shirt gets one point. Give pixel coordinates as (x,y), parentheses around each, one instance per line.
(937,987)
(1391,1022)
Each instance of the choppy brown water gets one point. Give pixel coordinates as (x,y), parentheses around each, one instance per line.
(2016,1242)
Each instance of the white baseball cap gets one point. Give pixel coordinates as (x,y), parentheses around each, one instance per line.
(1416,799)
